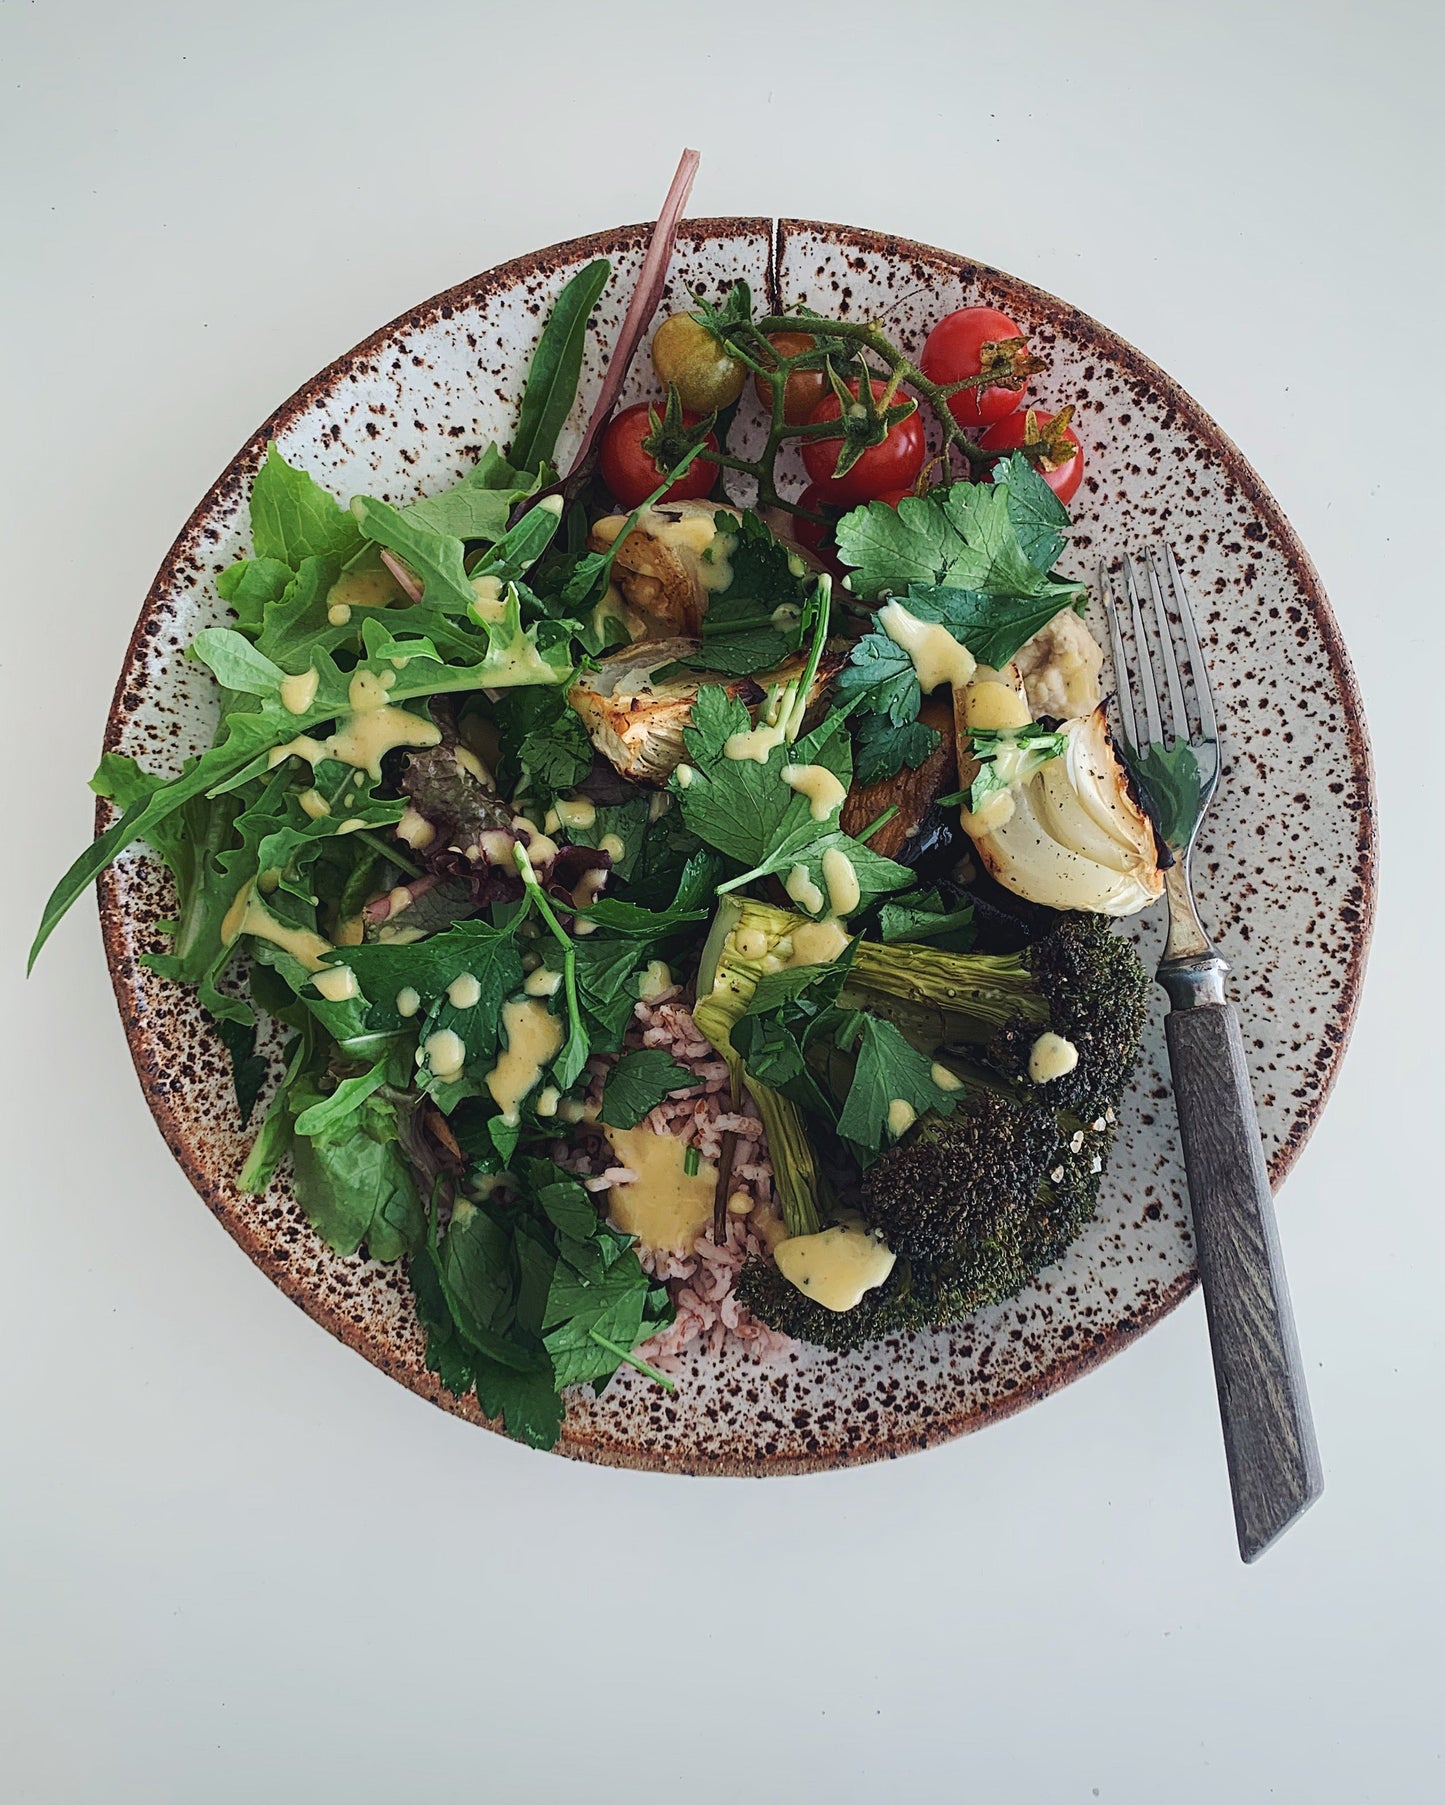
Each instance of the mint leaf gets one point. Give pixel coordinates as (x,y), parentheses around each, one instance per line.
(638,1083)
(294,518)
(883,749)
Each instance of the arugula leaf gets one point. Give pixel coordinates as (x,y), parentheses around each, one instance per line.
(327,1114)
(479,505)
(437,558)
(888,1070)
(923,915)
(1169,778)
(236,663)
(249,584)
(555,368)
(294,518)
(882,748)
(638,1083)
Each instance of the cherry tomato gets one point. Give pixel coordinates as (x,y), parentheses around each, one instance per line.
(804,389)
(687,355)
(1062,463)
(894,496)
(812,535)
(893,464)
(961,345)
(630,472)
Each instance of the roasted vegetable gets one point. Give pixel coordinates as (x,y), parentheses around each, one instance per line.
(636,717)
(1073,835)
(669,562)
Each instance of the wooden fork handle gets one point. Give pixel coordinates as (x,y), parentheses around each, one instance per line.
(1269,1438)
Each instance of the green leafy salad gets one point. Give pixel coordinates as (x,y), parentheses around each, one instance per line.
(587,869)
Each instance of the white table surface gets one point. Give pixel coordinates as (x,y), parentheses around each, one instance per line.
(241,1565)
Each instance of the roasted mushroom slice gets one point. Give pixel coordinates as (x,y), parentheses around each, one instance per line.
(912,792)
(636,718)
(669,563)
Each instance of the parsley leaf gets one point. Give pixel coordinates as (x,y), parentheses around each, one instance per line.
(882,748)
(745,810)
(889,1070)
(993,627)
(638,1083)
(880,675)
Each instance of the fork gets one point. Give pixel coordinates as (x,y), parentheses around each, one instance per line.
(1269,1439)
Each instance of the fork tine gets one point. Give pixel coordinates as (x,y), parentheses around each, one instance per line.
(1199,670)
(1123,688)
(1182,729)
(1146,660)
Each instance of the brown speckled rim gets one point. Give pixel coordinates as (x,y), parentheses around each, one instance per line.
(1007,291)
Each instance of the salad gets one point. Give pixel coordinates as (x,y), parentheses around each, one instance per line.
(668,905)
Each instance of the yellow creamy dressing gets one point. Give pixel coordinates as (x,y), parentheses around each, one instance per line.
(337,984)
(819,942)
(542,983)
(446,1054)
(407,1002)
(901,1116)
(613,607)
(804,892)
(756,743)
(580,813)
(547,1097)
(943,1078)
(992,702)
(844,891)
(997,809)
(299,692)
(314,804)
(824,791)
(468,761)
(837,1266)
(464,992)
(684,776)
(937,656)
(614,846)
(374,727)
(1051,1056)
(247,915)
(750,944)
(656,979)
(338,613)
(489,606)
(534,1038)
(663,1206)
(364,589)
(414,829)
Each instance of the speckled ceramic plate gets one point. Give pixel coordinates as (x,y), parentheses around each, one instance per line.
(1285,868)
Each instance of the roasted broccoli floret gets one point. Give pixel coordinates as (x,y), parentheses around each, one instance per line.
(977,1201)
(1081,981)
(1014,1183)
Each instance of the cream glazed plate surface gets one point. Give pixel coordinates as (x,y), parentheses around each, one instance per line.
(1284,868)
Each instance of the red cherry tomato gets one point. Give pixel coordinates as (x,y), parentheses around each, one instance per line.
(893,464)
(893,496)
(1062,472)
(812,535)
(629,471)
(957,348)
